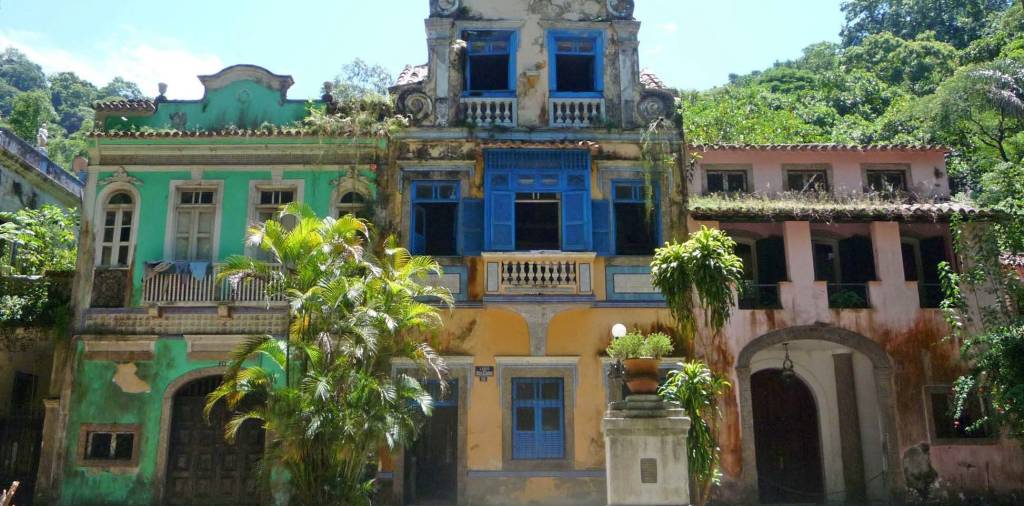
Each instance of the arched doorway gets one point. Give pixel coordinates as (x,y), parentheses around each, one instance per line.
(788,439)
(850,378)
(202,467)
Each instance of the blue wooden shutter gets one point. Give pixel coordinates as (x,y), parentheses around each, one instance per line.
(472,222)
(538,419)
(419,228)
(501,221)
(602,219)
(576,221)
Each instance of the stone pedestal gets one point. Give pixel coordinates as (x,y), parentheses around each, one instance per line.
(645,453)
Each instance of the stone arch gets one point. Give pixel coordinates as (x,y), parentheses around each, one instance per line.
(883,376)
(166,413)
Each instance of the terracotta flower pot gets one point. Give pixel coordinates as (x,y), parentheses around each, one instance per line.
(642,375)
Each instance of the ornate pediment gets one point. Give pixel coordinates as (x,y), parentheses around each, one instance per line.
(121,176)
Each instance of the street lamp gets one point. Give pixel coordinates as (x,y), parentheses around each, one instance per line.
(788,372)
(616,370)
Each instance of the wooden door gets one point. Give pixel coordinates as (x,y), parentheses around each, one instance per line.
(787,438)
(202,467)
(432,464)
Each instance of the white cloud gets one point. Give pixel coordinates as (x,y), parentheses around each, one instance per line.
(144,62)
(668,27)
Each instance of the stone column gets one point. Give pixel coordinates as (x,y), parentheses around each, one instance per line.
(49,452)
(645,453)
(849,428)
(629,68)
(439,40)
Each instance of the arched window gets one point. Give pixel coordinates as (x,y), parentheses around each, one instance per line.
(352,202)
(115,243)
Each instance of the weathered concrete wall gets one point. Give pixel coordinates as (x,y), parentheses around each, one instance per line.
(132,393)
(927,175)
(17,192)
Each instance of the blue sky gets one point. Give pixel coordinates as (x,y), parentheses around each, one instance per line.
(690,43)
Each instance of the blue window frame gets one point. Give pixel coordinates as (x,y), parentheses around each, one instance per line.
(538,419)
(636,227)
(576,63)
(435,212)
(490,62)
(513,176)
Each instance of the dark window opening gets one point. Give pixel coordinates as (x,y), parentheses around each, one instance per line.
(23,394)
(436,225)
(807,181)
(488,59)
(722,181)
(949,427)
(576,64)
(110,446)
(538,221)
(847,266)
(921,264)
(635,229)
(764,267)
(575,73)
(887,181)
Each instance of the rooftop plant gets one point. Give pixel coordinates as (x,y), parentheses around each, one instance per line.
(637,345)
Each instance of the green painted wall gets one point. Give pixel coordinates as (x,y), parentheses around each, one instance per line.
(155,197)
(95,399)
(244,104)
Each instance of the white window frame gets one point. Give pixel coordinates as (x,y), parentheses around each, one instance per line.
(99,220)
(172,205)
(345,186)
(256,187)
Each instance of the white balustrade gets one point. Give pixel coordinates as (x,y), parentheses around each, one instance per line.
(490,111)
(188,289)
(576,112)
(539,273)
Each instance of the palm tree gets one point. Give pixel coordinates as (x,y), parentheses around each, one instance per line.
(352,313)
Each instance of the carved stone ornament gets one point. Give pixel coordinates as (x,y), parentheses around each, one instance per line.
(121,176)
(416,104)
(655,104)
(621,9)
(445,7)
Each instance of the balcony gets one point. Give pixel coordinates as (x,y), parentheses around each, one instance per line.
(760,296)
(539,273)
(490,111)
(175,288)
(576,112)
(848,296)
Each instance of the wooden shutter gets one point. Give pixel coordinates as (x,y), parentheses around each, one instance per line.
(501,221)
(472,223)
(601,214)
(857,260)
(771,261)
(576,221)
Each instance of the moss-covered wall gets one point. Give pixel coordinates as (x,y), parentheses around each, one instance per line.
(97,399)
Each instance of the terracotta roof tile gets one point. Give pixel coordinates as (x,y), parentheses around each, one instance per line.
(412,74)
(822,147)
(125,106)
(279,132)
(650,80)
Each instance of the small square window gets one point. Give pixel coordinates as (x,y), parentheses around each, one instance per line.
(576,63)
(887,181)
(488,61)
(948,427)
(726,181)
(108,445)
(807,181)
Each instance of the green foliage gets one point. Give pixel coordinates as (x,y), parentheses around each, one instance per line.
(44,239)
(20,72)
(704,267)
(30,111)
(918,65)
(353,313)
(997,358)
(637,345)
(846,299)
(71,97)
(359,80)
(957,22)
(119,88)
(697,388)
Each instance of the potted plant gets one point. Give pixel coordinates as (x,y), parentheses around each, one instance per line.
(640,356)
